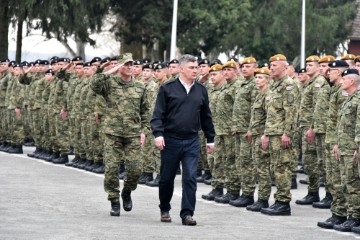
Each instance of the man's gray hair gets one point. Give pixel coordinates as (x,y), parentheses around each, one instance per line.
(186,58)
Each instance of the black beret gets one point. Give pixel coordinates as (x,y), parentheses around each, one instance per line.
(302,70)
(24,63)
(16,65)
(12,63)
(4,60)
(87,64)
(54,58)
(95,59)
(78,58)
(80,63)
(161,65)
(147,65)
(31,63)
(114,58)
(146,60)
(174,61)
(54,61)
(44,62)
(49,71)
(61,60)
(137,62)
(38,61)
(350,71)
(204,61)
(104,60)
(338,63)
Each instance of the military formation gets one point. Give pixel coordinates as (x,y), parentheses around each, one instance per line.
(268,119)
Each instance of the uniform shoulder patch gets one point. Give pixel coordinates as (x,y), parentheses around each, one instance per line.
(289,87)
(317,85)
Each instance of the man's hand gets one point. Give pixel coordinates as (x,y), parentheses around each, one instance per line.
(97,118)
(17,112)
(335,151)
(264,142)
(310,136)
(142,140)
(355,157)
(63,114)
(285,141)
(114,69)
(210,148)
(160,143)
(249,136)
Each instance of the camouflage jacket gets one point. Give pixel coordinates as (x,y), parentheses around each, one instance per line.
(337,98)
(281,107)
(82,109)
(127,112)
(40,86)
(73,82)
(16,94)
(258,114)
(152,89)
(349,119)
(4,81)
(75,109)
(245,97)
(321,107)
(214,94)
(45,95)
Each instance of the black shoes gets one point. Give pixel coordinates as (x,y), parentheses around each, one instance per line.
(325,203)
(206,176)
(217,192)
(100,169)
(61,160)
(154,182)
(146,177)
(256,207)
(115,208)
(331,222)
(165,217)
(278,209)
(242,201)
(34,153)
(127,202)
(122,171)
(188,221)
(226,198)
(347,225)
(293,183)
(16,149)
(309,199)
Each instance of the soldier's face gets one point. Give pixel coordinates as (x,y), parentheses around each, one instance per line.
(160,74)
(174,69)
(49,76)
(324,67)
(87,71)
(147,73)
(4,66)
(189,70)
(348,81)
(216,77)
(261,80)
(334,74)
(229,74)
(277,69)
(79,70)
(17,71)
(136,70)
(248,70)
(312,68)
(303,77)
(126,69)
(204,69)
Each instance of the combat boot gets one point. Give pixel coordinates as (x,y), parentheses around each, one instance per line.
(122,171)
(199,176)
(226,198)
(256,207)
(325,203)
(330,222)
(41,155)
(127,202)
(62,159)
(301,170)
(309,199)
(100,169)
(347,225)
(242,201)
(278,209)
(94,166)
(216,192)
(141,181)
(4,146)
(89,167)
(208,181)
(148,177)
(75,160)
(154,182)
(80,163)
(85,164)
(115,208)
(54,156)
(34,153)
(303,181)
(17,149)
(9,148)
(293,183)
(356,229)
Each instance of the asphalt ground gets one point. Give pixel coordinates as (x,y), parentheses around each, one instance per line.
(41,200)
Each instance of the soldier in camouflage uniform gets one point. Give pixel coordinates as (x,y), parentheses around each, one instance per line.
(245,178)
(216,164)
(347,149)
(280,119)
(256,130)
(137,70)
(226,140)
(333,174)
(314,103)
(173,69)
(4,79)
(124,127)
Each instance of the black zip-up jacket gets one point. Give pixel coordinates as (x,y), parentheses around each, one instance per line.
(181,115)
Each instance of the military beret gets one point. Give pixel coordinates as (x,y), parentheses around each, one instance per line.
(24,64)
(79,64)
(217,61)
(114,58)
(302,70)
(160,66)
(67,60)
(327,59)
(312,58)
(4,60)
(95,59)
(146,60)
(31,63)
(44,62)
(78,58)
(54,61)
(338,63)
(49,71)
(87,64)
(350,71)
(348,57)
(174,61)
(230,64)
(147,65)
(234,59)
(263,70)
(277,57)
(54,58)
(137,62)
(61,60)
(17,65)
(248,60)
(12,63)
(104,60)
(38,61)
(216,67)
(204,61)
(156,62)
(125,58)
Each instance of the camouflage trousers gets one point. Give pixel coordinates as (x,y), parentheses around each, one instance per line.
(203,161)
(231,182)
(62,135)
(320,152)
(36,126)
(296,143)
(117,148)
(351,182)
(218,166)
(9,124)
(18,135)
(245,166)
(46,138)
(96,141)
(262,163)
(78,143)
(280,162)
(72,130)
(148,158)
(310,163)
(333,182)
(84,140)
(2,124)
(28,131)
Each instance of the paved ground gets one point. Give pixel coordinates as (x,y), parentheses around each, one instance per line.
(40,200)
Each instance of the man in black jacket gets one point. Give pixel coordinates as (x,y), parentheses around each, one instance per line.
(182,108)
